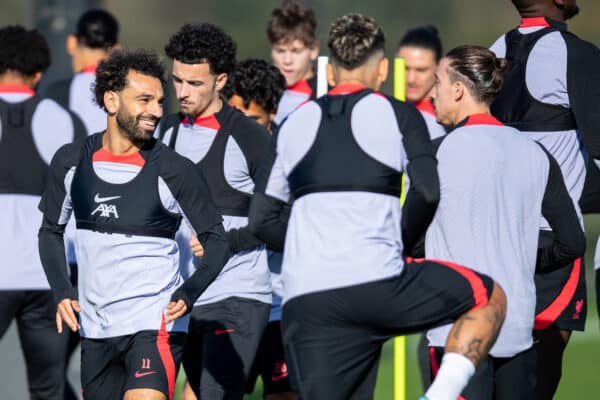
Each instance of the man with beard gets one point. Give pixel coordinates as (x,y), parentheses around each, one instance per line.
(128,193)
(229,318)
(550,93)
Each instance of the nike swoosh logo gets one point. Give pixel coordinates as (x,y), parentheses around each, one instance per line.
(223,331)
(139,374)
(275,378)
(99,199)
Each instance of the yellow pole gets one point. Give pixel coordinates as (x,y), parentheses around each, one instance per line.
(400,342)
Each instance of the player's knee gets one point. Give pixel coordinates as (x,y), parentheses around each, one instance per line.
(144,394)
(498,301)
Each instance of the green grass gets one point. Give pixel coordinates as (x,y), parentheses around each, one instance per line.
(580,369)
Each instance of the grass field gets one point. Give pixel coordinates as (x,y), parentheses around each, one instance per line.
(580,371)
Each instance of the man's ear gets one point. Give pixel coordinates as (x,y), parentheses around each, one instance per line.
(314,52)
(111,102)
(458,90)
(331,81)
(220,81)
(71,45)
(383,68)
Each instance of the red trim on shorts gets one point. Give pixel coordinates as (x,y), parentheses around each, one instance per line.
(425,106)
(480,295)
(434,365)
(90,69)
(207,122)
(16,88)
(482,119)
(301,86)
(544,319)
(105,156)
(164,350)
(534,22)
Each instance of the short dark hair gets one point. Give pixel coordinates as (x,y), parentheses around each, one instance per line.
(424,37)
(112,72)
(354,38)
(97,29)
(292,21)
(203,43)
(479,69)
(22,50)
(256,80)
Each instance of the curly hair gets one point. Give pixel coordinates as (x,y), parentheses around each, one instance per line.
(424,37)
(353,38)
(292,22)
(479,69)
(97,29)
(256,80)
(203,43)
(22,50)
(111,74)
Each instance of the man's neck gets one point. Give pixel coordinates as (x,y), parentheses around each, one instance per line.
(471,109)
(87,57)
(117,143)
(213,108)
(542,10)
(15,78)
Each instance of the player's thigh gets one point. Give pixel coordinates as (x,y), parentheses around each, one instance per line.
(327,354)
(144,394)
(515,377)
(152,361)
(43,348)
(230,342)
(10,303)
(102,372)
(273,367)
(428,293)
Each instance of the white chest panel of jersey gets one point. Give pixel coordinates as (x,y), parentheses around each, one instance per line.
(492,182)
(246,274)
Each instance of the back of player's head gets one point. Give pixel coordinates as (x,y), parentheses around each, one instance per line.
(424,37)
(353,39)
(292,21)
(97,29)
(111,74)
(203,43)
(478,69)
(23,51)
(256,81)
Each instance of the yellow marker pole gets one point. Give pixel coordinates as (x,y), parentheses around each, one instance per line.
(400,341)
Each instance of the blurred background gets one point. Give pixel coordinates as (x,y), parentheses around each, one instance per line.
(149,23)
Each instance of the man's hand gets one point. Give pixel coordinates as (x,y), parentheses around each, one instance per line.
(196,246)
(65,312)
(175,309)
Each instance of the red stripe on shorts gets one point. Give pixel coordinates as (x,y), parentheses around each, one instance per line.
(547,317)
(480,295)
(164,350)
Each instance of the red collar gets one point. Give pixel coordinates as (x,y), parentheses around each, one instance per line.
(482,119)
(133,159)
(425,106)
(346,88)
(535,22)
(207,122)
(90,69)
(16,88)
(301,86)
